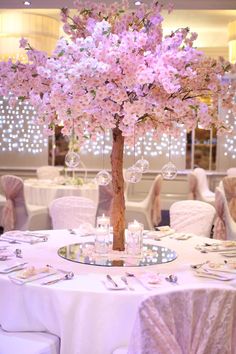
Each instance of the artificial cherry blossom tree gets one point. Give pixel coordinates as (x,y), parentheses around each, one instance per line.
(117,71)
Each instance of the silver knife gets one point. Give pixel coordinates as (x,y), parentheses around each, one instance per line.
(15,267)
(112,281)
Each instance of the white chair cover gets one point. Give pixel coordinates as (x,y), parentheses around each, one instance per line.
(186,321)
(199,188)
(192,216)
(28,343)
(16,215)
(148,211)
(231,172)
(47,172)
(71,212)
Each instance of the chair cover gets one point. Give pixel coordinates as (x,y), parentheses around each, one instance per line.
(192,182)
(48,172)
(14,213)
(71,212)
(229,185)
(198,320)
(231,172)
(148,211)
(105,196)
(28,343)
(192,216)
(198,186)
(2,204)
(219,225)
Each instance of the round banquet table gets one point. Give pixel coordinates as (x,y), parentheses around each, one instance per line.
(43,192)
(87,316)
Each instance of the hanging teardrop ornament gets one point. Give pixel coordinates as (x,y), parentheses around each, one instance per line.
(103,178)
(169,171)
(72,159)
(142,164)
(133,174)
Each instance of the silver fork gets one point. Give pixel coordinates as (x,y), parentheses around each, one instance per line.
(199,265)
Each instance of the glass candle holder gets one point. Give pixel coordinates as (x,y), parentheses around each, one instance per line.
(103,222)
(102,234)
(134,240)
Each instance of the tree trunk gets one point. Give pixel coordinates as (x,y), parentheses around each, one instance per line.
(118,204)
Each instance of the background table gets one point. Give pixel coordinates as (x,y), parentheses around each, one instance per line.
(43,192)
(87,316)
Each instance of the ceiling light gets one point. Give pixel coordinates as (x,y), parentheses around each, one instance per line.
(27,3)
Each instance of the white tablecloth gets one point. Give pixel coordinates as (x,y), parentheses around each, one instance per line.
(43,192)
(89,318)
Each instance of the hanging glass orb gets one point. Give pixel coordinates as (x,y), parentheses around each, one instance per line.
(103,178)
(169,171)
(72,159)
(142,164)
(133,174)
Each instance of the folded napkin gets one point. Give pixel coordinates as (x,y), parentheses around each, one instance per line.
(217,247)
(149,280)
(181,236)
(32,273)
(229,267)
(6,253)
(214,275)
(23,236)
(11,266)
(163,232)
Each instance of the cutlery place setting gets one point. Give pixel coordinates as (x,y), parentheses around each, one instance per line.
(147,280)
(223,247)
(18,237)
(7,254)
(224,271)
(21,273)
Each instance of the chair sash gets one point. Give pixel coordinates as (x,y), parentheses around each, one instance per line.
(156,202)
(229,184)
(105,200)
(11,187)
(219,225)
(192,182)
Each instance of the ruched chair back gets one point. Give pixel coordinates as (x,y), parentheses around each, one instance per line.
(70,212)
(148,211)
(14,213)
(186,320)
(225,223)
(48,172)
(198,186)
(229,185)
(192,216)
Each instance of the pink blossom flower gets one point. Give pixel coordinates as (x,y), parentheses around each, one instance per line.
(23,43)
